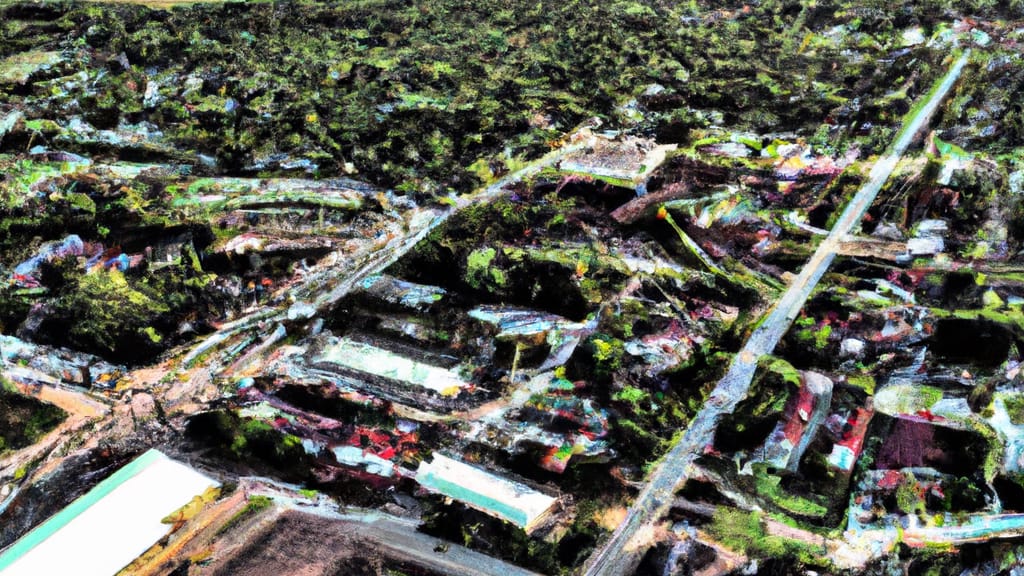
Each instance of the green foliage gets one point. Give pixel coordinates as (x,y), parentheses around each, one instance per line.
(405,93)
(1014,407)
(817,336)
(775,381)
(6,386)
(635,436)
(24,420)
(907,499)
(865,382)
(108,309)
(768,486)
(606,353)
(631,395)
(480,273)
(781,368)
(255,504)
(251,440)
(745,532)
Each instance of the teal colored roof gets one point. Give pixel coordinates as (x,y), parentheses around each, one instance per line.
(508,500)
(61,519)
(111,525)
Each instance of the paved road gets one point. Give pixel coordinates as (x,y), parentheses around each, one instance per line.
(402,541)
(326,287)
(623,550)
(399,537)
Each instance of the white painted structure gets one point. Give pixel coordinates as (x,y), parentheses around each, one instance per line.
(111,525)
(511,501)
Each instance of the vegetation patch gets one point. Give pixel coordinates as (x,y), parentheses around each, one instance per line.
(252,508)
(745,532)
(24,420)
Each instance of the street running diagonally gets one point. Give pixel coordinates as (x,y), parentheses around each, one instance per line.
(623,550)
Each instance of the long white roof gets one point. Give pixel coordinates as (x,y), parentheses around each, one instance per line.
(111,525)
(512,501)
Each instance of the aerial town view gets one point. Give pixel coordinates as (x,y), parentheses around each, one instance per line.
(511,287)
